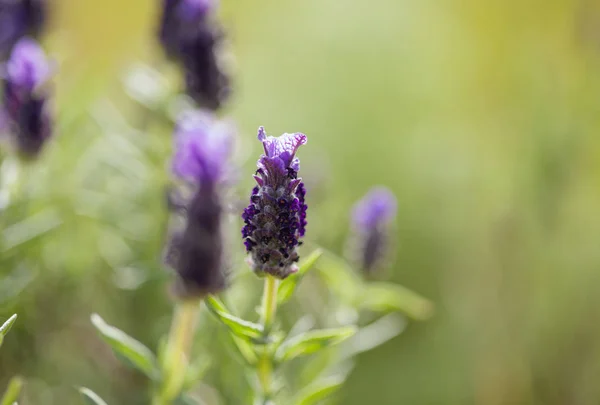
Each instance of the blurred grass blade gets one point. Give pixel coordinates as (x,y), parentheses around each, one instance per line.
(318,391)
(126,347)
(6,327)
(30,228)
(90,397)
(288,286)
(311,342)
(12,391)
(238,326)
(388,297)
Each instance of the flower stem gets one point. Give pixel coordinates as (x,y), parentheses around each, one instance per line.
(177,350)
(264,368)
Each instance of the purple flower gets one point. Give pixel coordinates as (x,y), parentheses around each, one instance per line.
(19,18)
(372,217)
(182,20)
(25,96)
(196,253)
(202,147)
(275,220)
(205,79)
(190,37)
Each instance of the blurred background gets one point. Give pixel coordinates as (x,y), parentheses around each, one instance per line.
(482,116)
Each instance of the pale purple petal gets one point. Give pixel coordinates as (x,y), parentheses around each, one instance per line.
(376,208)
(283,147)
(28,66)
(202,147)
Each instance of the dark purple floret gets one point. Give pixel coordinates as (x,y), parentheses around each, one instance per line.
(275,220)
(25,99)
(182,20)
(372,217)
(19,18)
(196,253)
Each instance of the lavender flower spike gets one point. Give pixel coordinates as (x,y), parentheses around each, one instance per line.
(25,99)
(372,217)
(19,18)
(203,146)
(275,220)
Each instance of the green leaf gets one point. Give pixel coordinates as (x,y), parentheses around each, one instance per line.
(195,371)
(319,391)
(312,341)
(288,286)
(138,355)
(339,277)
(237,326)
(12,391)
(6,327)
(387,297)
(246,350)
(90,397)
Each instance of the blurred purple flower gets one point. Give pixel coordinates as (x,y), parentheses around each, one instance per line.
(371,218)
(19,18)
(188,36)
(25,99)
(203,146)
(275,220)
(182,20)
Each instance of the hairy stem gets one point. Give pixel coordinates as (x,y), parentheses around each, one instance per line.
(264,368)
(177,351)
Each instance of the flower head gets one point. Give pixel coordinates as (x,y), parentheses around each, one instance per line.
(25,96)
(372,217)
(275,220)
(19,18)
(196,252)
(189,36)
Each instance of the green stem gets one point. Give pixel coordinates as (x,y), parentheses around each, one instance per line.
(177,351)
(264,368)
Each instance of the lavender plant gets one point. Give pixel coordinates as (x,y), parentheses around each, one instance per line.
(198,252)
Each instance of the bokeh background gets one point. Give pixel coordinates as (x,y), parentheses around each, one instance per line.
(482,116)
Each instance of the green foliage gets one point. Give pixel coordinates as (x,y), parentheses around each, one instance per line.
(126,347)
(11,395)
(90,397)
(319,391)
(288,286)
(311,342)
(239,327)
(387,297)
(5,328)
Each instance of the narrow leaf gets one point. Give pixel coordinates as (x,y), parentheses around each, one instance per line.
(6,327)
(195,372)
(288,286)
(311,342)
(319,391)
(90,397)
(12,391)
(138,355)
(238,326)
(339,277)
(388,297)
